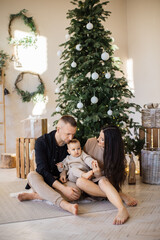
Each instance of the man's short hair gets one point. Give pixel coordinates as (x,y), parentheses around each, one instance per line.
(69,119)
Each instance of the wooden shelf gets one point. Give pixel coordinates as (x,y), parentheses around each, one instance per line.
(2,113)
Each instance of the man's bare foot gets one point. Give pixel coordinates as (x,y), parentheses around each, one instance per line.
(28,196)
(88,175)
(129,201)
(72,208)
(121,217)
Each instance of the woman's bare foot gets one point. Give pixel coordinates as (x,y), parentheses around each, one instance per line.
(88,175)
(129,201)
(28,196)
(72,208)
(121,217)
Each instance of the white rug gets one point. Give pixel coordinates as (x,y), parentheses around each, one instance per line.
(12,210)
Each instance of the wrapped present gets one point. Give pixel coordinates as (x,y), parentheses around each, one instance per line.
(151,115)
(34,127)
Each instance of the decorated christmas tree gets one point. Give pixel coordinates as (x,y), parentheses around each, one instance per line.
(91,85)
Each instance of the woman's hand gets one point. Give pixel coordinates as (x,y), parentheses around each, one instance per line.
(96,169)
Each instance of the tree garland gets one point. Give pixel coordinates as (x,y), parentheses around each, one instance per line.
(25,95)
(28,40)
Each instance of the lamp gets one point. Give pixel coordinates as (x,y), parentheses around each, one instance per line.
(13,58)
(18,64)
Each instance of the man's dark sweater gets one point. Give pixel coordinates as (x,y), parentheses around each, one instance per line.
(48,154)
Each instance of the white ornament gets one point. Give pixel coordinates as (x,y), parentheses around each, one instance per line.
(94,100)
(109,112)
(95,75)
(124,125)
(89,26)
(67,37)
(58,109)
(73,64)
(59,53)
(105,56)
(78,47)
(88,75)
(80,105)
(107,75)
(57,90)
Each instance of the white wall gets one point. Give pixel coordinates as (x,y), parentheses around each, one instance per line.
(143,30)
(50,17)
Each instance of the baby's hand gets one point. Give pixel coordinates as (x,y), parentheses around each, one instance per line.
(63,179)
(60,166)
(94,164)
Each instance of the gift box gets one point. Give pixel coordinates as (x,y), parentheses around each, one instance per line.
(34,127)
(151,116)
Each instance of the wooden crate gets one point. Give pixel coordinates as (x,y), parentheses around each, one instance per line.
(152,140)
(151,137)
(25,156)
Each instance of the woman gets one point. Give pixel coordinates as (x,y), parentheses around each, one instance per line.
(108,150)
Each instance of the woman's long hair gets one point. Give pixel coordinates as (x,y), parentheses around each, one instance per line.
(114,157)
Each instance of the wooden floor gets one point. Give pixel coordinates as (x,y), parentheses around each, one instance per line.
(143,224)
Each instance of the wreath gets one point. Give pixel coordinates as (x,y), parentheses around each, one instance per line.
(28,40)
(25,95)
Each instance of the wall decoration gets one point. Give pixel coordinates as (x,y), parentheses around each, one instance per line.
(28,96)
(28,21)
(3,58)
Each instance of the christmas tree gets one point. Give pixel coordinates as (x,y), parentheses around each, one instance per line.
(88,87)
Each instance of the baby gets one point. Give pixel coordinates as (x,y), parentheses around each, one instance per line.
(77,164)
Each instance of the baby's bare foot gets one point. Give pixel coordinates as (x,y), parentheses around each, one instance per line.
(88,175)
(121,217)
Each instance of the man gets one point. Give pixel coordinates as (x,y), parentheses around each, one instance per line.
(51,149)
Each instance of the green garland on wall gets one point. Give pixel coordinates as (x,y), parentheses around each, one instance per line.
(25,95)
(28,21)
(3,58)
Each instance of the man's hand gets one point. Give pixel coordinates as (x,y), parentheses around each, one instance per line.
(70,192)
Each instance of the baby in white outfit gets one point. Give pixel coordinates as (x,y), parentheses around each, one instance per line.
(77,164)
